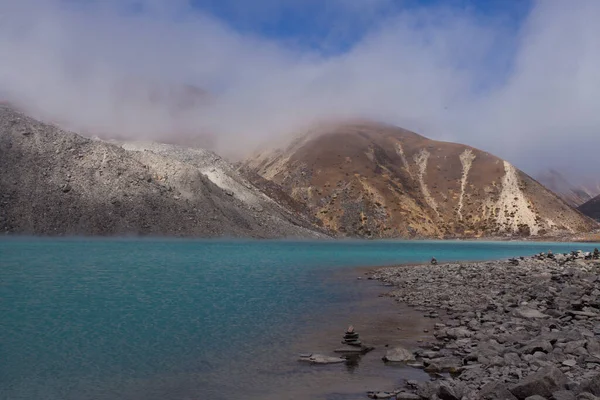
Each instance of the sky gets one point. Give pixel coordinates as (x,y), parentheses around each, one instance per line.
(517,78)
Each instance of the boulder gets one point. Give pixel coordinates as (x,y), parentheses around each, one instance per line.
(543,382)
(591,385)
(563,395)
(398,354)
(537,345)
(495,391)
(451,390)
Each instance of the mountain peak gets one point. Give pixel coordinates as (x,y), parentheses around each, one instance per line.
(374,180)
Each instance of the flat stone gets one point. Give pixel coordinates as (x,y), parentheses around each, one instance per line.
(407,396)
(529,313)
(569,363)
(381,395)
(321,359)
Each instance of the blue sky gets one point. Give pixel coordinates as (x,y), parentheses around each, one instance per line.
(336,25)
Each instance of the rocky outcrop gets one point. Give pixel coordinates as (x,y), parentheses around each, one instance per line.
(54,182)
(367,179)
(227,177)
(511,331)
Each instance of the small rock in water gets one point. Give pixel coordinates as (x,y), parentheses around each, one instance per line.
(399,354)
(322,359)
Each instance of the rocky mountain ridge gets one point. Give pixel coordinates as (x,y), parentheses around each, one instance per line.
(356,179)
(574,194)
(366,179)
(54,182)
(591,208)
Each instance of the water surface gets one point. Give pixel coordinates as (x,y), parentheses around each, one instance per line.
(189,319)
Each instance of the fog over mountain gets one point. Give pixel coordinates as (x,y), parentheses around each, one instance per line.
(525,91)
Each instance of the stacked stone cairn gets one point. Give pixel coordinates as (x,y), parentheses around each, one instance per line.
(351,338)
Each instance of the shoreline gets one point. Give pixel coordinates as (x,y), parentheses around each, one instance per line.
(503,331)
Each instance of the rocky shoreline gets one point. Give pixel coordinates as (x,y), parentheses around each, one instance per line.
(526,328)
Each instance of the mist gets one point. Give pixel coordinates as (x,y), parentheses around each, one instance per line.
(163,70)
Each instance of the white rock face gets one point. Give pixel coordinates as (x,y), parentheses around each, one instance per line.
(513,201)
(224,175)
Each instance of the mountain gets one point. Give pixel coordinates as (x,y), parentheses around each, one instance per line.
(367,179)
(258,195)
(573,194)
(591,208)
(54,182)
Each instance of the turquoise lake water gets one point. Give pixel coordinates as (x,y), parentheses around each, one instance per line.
(182,319)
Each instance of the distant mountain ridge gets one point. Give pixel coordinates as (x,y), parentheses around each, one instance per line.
(592,208)
(367,179)
(573,194)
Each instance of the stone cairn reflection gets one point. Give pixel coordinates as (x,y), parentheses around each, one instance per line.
(351,338)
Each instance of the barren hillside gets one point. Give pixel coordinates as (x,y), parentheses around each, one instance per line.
(372,180)
(54,182)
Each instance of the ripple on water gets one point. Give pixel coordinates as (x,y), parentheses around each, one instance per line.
(167,319)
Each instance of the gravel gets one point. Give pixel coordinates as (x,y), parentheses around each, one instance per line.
(507,329)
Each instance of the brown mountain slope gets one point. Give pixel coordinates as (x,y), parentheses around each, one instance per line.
(373,180)
(592,208)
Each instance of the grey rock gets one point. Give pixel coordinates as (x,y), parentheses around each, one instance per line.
(544,383)
(529,313)
(563,395)
(495,391)
(591,385)
(537,345)
(114,191)
(407,396)
(587,396)
(451,390)
(398,354)
(321,359)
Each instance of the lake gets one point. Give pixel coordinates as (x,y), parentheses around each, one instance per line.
(194,319)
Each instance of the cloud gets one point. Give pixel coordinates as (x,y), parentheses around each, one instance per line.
(120,68)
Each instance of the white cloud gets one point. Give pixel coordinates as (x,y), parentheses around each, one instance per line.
(438,71)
